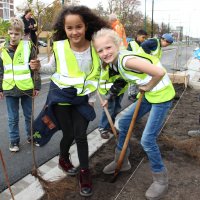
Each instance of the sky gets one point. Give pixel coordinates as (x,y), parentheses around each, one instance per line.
(184,13)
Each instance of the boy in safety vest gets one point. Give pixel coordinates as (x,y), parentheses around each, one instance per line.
(154,46)
(16,80)
(147,72)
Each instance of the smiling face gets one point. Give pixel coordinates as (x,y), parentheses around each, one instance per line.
(106,49)
(15,36)
(75,29)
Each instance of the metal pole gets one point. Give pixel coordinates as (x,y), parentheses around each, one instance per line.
(152,19)
(145,17)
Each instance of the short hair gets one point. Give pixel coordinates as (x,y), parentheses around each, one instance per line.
(142,32)
(16,24)
(112,17)
(27,11)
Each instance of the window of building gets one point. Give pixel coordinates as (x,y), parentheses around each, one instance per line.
(6,9)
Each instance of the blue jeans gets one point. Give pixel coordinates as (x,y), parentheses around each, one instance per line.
(13,116)
(113,108)
(157,115)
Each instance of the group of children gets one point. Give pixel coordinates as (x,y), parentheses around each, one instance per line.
(80,39)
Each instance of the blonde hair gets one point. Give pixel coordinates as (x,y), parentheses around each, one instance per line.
(112,17)
(16,24)
(110,33)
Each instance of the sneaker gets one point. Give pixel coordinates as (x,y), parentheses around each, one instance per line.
(194,133)
(14,147)
(85,183)
(29,141)
(66,165)
(104,133)
(36,144)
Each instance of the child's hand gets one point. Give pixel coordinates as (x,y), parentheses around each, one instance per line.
(1,95)
(35,65)
(36,93)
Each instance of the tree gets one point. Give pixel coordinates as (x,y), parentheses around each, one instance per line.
(4,28)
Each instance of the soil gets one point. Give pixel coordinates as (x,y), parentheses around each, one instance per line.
(181,155)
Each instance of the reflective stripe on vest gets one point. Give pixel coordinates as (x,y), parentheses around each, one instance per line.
(106,81)
(134,46)
(162,92)
(158,51)
(17,71)
(68,73)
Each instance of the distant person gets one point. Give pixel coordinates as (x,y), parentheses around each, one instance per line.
(118,27)
(133,46)
(30,26)
(154,46)
(17,80)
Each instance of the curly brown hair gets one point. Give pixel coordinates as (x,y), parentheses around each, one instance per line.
(91,20)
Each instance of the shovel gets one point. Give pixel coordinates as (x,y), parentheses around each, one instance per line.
(109,117)
(128,136)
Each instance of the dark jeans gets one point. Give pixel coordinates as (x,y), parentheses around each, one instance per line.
(114,106)
(73,126)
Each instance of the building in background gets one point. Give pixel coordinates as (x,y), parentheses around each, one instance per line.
(6,9)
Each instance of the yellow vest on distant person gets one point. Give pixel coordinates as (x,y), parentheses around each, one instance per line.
(17,71)
(157,52)
(134,46)
(68,73)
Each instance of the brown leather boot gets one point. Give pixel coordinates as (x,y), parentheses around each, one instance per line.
(85,183)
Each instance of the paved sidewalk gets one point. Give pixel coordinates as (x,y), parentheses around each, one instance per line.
(29,188)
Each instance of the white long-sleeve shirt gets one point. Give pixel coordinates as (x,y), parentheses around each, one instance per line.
(84,60)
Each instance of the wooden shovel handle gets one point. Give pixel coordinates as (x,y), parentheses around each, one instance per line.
(108,116)
(128,136)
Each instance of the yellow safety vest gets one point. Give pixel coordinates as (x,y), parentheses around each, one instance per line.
(17,71)
(157,52)
(68,73)
(162,92)
(134,46)
(106,81)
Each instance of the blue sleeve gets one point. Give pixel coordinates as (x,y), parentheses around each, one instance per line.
(149,45)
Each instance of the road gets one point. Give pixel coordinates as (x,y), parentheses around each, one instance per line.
(20,164)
